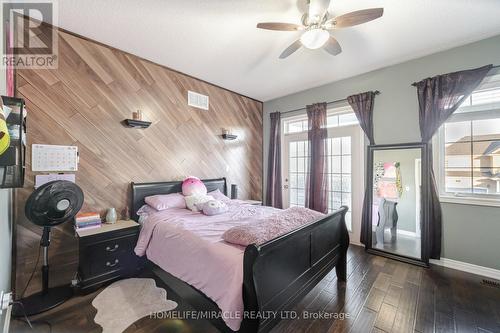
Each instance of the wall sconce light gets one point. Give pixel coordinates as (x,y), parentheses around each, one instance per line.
(226,135)
(137,121)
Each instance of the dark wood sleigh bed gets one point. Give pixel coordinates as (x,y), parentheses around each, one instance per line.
(276,274)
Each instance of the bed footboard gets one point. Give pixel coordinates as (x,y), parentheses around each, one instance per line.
(277,273)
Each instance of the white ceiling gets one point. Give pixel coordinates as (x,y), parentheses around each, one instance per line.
(216,40)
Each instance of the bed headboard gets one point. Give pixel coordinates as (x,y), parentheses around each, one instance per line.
(142,190)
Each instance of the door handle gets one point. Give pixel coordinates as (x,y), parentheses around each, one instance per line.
(285,187)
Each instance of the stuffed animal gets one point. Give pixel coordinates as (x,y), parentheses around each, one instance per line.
(4,132)
(213,207)
(193,185)
(195,193)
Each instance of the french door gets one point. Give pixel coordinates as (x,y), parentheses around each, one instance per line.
(345,174)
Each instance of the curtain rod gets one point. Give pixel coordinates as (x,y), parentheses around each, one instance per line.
(376,92)
(415,83)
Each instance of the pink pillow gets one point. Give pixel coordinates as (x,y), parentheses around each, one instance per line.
(218,195)
(166,201)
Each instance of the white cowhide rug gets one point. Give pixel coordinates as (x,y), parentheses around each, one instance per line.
(126,301)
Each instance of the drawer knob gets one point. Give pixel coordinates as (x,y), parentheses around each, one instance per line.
(112,249)
(109,264)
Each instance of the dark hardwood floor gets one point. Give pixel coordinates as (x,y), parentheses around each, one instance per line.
(381,295)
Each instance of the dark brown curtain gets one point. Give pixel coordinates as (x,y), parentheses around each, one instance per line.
(362,104)
(438,98)
(273,192)
(316,182)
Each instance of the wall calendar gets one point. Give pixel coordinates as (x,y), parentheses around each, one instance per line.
(54,158)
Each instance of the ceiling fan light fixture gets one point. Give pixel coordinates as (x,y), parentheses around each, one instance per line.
(314,38)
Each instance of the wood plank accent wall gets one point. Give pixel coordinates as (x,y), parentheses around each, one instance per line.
(83,103)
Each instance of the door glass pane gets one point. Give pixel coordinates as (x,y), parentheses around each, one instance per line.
(293,180)
(346,145)
(339,169)
(336,164)
(293,164)
(297,172)
(301,162)
(293,149)
(300,148)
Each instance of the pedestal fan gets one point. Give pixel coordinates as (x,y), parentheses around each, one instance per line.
(49,205)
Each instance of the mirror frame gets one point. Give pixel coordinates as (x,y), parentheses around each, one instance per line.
(424,148)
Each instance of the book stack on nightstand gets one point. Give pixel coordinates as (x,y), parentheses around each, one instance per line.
(107,254)
(87,221)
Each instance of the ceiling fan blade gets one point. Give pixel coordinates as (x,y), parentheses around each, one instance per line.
(318,8)
(292,48)
(357,17)
(279,26)
(332,46)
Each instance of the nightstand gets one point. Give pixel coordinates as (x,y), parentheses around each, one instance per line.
(107,254)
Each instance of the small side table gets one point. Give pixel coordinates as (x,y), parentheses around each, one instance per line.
(107,254)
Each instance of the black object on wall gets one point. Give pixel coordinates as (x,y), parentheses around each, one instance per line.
(137,123)
(234,191)
(12,161)
(229,136)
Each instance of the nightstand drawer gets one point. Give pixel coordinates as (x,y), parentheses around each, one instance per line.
(112,262)
(116,245)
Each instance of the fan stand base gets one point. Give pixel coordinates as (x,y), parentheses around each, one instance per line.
(41,302)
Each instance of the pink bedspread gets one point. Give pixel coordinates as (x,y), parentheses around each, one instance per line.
(280,223)
(189,246)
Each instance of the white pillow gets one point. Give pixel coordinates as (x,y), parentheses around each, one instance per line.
(193,200)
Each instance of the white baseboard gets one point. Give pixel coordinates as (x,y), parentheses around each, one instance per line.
(469,268)
(408,233)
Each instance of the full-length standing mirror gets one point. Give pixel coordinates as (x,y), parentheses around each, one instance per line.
(397,176)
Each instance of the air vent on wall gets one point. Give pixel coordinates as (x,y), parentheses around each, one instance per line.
(491,283)
(197,100)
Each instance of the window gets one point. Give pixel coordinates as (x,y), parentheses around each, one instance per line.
(342,139)
(470,147)
(336,117)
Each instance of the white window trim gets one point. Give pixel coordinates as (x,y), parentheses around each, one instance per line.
(462,199)
(337,109)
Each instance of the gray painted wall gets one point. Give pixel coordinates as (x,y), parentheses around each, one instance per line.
(470,233)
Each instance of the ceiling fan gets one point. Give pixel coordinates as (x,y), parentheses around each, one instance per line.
(317,24)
